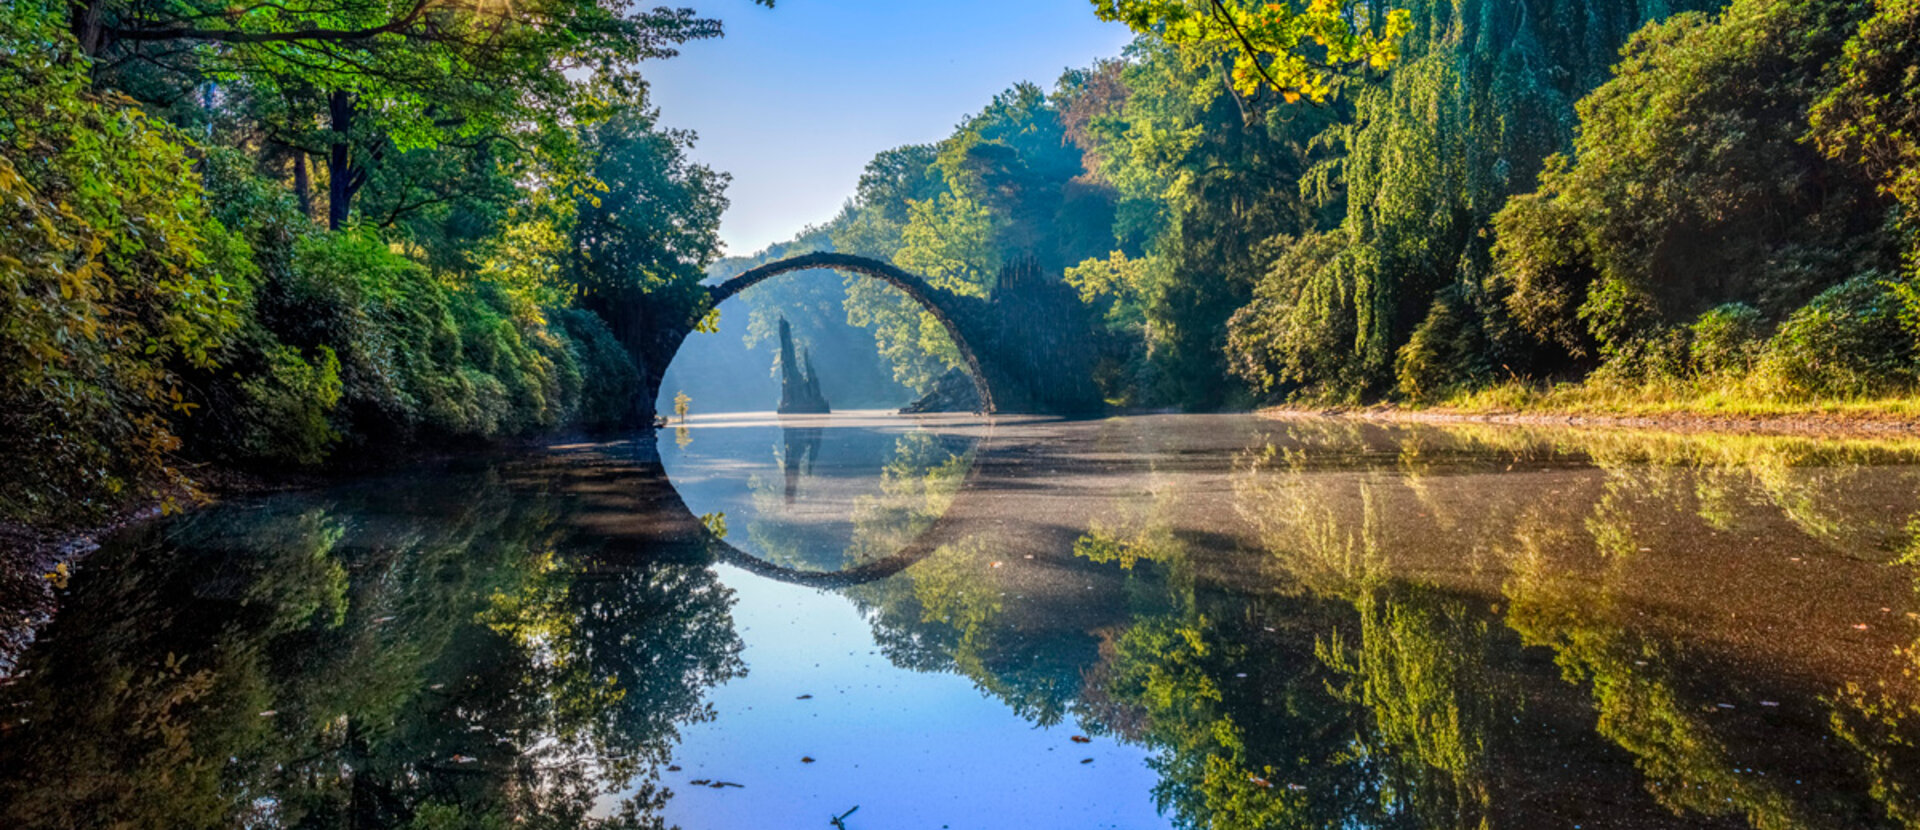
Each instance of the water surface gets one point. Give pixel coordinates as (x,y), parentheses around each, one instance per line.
(1168,621)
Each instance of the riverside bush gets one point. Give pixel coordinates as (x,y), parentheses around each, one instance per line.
(425,358)
(1847,341)
(1725,339)
(112,278)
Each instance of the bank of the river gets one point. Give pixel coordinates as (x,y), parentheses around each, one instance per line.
(36,560)
(1839,420)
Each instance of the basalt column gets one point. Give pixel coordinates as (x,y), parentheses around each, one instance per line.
(799,385)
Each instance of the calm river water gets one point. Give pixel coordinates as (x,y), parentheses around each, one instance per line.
(1169,621)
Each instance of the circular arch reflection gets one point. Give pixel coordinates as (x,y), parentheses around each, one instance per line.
(918,484)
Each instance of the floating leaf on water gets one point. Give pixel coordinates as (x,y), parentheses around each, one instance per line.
(1086,760)
(806,759)
(699,782)
(462,759)
(1081,739)
(804,697)
(673,767)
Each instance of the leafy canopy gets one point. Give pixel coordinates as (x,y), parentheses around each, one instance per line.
(1297,52)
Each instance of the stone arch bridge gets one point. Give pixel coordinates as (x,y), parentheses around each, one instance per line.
(1024,348)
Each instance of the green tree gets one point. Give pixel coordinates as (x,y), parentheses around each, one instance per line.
(1663,211)
(1299,52)
(359,81)
(115,279)
(639,243)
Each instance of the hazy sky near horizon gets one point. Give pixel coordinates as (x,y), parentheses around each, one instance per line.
(796,99)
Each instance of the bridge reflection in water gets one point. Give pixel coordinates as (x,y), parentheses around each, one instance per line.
(837,501)
(1252,622)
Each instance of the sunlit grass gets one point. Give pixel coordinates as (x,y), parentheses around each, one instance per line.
(1675,397)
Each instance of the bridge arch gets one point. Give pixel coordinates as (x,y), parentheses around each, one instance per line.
(932,299)
(676,527)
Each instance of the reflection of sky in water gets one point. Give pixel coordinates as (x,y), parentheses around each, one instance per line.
(910,749)
(1292,622)
(797,492)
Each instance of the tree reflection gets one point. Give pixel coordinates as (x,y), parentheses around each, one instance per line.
(914,487)
(1406,649)
(391,658)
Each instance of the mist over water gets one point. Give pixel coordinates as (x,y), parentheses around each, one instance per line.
(1220,621)
(722,373)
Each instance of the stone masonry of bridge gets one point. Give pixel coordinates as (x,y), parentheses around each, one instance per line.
(1017,365)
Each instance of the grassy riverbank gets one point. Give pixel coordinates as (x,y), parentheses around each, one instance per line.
(1676,404)
(1677,398)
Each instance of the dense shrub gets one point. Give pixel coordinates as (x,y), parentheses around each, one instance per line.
(426,358)
(287,409)
(1298,329)
(1847,341)
(1691,185)
(1725,340)
(1449,351)
(112,277)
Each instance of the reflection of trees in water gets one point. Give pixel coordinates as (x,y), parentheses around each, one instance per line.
(948,613)
(945,612)
(1326,685)
(1562,588)
(915,487)
(388,659)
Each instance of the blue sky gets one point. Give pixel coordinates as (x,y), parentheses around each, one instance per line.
(796,99)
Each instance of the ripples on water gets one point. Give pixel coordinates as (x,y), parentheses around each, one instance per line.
(1186,621)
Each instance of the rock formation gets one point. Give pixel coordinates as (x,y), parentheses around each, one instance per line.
(799,385)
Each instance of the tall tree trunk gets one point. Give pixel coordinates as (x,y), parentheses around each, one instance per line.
(86,25)
(343,176)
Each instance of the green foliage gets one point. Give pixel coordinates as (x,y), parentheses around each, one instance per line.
(639,242)
(1298,52)
(170,300)
(288,407)
(1207,192)
(652,224)
(113,280)
(1663,212)
(1005,188)
(419,356)
(1545,267)
(1726,339)
(1847,341)
(1872,116)
(948,240)
(1298,329)
(1448,351)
